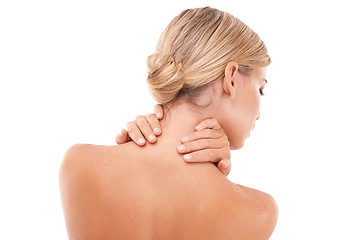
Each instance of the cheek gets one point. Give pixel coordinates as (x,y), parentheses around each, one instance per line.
(246,118)
(238,120)
(254,107)
(250,111)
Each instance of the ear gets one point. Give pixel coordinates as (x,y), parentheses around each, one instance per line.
(228,81)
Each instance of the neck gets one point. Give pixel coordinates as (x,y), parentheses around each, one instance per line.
(180,120)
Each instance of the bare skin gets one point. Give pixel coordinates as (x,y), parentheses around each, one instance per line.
(208,142)
(127,192)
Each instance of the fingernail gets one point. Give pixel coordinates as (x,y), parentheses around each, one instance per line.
(226,164)
(198,127)
(152,137)
(157,130)
(181,148)
(141,141)
(122,133)
(184,139)
(158,115)
(187,157)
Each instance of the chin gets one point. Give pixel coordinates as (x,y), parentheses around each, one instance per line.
(237,145)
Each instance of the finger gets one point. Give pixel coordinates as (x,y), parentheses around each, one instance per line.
(135,134)
(121,137)
(207,155)
(200,145)
(154,123)
(208,123)
(205,133)
(145,128)
(159,111)
(224,166)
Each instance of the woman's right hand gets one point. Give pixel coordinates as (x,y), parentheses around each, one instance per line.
(208,143)
(143,126)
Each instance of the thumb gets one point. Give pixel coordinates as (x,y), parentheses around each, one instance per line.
(225,166)
(210,123)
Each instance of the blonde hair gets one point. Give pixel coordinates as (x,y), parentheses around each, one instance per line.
(194,50)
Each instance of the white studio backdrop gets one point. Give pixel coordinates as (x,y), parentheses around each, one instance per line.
(74,72)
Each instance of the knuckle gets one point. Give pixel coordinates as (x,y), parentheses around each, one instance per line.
(141,123)
(207,133)
(228,154)
(196,156)
(210,132)
(207,121)
(225,143)
(149,116)
(129,124)
(213,121)
(188,147)
(130,127)
(211,154)
(218,134)
(205,143)
(153,120)
(139,117)
(133,131)
(193,136)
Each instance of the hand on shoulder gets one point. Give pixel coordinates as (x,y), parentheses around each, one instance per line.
(208,143)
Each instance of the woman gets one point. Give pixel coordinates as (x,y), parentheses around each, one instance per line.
(207,64)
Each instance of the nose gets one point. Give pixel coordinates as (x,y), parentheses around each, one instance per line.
(258,116)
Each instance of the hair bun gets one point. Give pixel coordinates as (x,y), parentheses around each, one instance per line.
(164,77)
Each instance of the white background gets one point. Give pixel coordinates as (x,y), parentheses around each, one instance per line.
(74,72)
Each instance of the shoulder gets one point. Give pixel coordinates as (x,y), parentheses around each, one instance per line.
(85,156)
(82,177)
(94,167)
(79,157)
(78,168)
(84,161)
(80,151)
(256,213)
(85,170)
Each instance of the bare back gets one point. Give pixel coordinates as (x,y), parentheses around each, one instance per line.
(127,192)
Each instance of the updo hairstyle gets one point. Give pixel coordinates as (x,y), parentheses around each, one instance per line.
(194,50)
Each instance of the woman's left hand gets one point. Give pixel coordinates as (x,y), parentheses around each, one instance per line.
(208,143)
